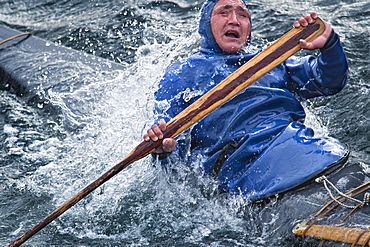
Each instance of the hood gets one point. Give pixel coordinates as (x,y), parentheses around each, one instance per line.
(208,43)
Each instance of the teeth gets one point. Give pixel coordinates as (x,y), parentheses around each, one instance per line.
(232,34)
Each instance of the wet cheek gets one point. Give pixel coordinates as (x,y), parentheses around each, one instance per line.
(218,36)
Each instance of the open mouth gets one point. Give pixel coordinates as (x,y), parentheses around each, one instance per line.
(232,34)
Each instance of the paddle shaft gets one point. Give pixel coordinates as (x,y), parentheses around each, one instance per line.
(265,61)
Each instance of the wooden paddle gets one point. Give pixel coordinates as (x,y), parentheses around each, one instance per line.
(265,61)
(335,233)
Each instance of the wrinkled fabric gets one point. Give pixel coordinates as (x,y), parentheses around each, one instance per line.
(275,150)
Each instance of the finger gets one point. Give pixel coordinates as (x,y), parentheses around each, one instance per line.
(158,132)
(168,144)
(146,138)
(296,24)
(309,19)
(314,15)
(303,22)
(162,124)
(303,43)
(306,45)
(152,135)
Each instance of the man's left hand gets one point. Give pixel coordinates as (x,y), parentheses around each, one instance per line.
(320,41)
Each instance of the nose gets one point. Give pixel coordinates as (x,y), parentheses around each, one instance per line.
(233,18)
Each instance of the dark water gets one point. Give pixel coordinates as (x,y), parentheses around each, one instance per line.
(44,163)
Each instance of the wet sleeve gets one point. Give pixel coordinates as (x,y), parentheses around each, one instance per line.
(169,96)
(324,75)
(169,103)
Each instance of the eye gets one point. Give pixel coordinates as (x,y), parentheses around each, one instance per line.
(243,14)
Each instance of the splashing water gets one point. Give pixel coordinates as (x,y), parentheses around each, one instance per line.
(47,159)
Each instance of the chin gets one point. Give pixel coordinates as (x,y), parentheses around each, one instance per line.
(233,50)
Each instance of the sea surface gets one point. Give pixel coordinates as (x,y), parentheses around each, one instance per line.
(45,158)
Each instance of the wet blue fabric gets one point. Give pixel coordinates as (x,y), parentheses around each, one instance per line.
(292,158)
(275,150)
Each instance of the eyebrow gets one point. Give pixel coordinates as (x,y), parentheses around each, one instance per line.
(228,6)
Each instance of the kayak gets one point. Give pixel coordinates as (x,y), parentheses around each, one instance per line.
(33,68)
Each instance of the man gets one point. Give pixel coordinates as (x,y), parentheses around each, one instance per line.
(256,143)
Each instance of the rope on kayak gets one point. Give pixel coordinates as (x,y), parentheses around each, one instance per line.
(14,37)
(324,180)
(335,202)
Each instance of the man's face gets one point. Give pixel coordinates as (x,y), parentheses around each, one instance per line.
(230,23)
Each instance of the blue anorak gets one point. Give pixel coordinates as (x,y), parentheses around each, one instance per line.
(259,135)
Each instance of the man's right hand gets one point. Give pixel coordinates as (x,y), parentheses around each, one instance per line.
(156,133)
